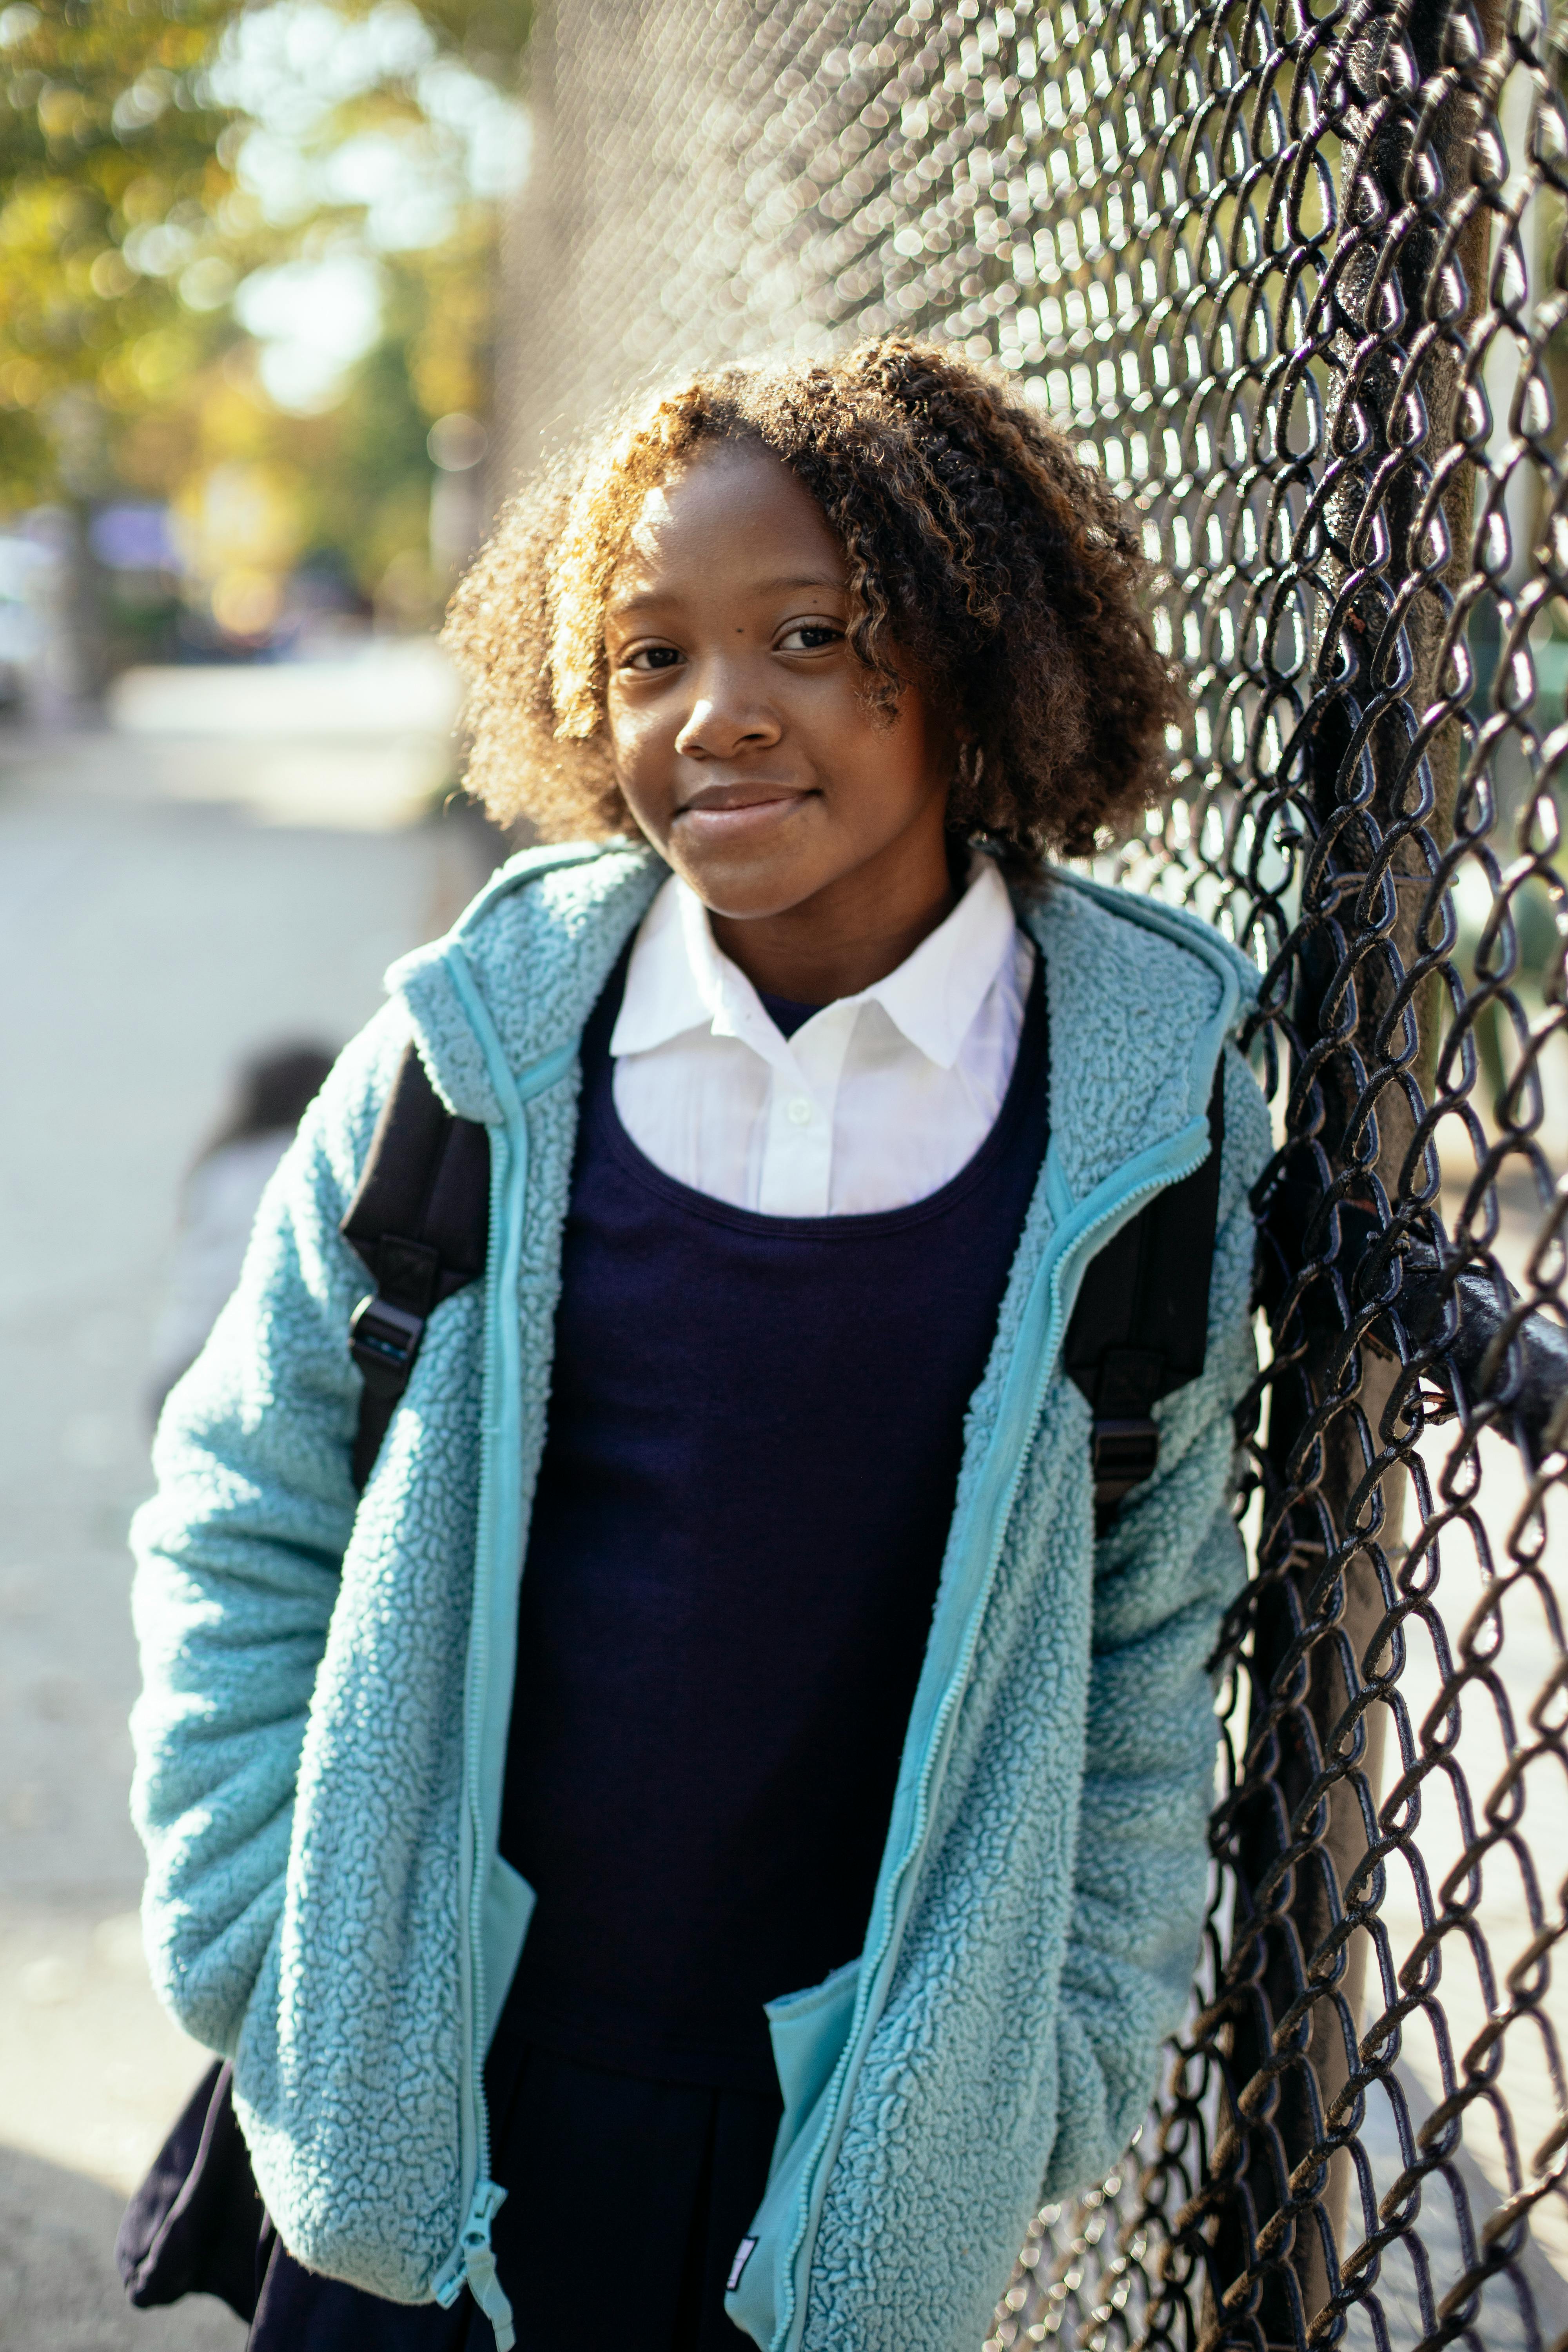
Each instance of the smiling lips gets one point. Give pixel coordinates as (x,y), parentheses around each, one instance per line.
(732,805)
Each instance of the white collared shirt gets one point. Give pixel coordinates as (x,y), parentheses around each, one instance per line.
(873,1103)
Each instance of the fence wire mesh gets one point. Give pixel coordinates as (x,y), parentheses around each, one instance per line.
(1295,276)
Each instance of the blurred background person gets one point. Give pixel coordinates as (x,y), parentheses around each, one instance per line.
(220,1199)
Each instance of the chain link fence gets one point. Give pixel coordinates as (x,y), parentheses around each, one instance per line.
(1296,279)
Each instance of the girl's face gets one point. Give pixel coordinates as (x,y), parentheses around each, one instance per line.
(738,733)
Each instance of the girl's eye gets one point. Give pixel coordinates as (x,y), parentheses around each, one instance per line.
(652,658)
(809,637)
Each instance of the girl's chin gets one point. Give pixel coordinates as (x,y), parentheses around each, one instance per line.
(748,870)
(749,890)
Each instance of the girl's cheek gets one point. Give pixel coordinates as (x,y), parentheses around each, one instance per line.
(642,778)
(624,736)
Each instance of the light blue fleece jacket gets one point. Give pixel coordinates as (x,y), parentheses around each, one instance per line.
(328,1681)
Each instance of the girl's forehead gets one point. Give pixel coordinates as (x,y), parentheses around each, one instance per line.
(726,504)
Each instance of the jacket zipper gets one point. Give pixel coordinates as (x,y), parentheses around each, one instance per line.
(787,2336)
(471,2263)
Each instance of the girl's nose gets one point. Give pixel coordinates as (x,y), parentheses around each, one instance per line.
(724,721)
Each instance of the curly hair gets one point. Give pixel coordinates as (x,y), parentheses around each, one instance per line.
(982,558)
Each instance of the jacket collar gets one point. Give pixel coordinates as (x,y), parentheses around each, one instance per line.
(540,939)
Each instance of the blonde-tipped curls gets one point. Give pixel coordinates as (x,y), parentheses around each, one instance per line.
(982,558)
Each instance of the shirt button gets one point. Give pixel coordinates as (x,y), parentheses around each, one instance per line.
(799,1111)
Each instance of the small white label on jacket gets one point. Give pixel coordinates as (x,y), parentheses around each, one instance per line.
(743,2252)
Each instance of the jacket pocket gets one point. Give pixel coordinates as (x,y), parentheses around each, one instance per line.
(809,2030)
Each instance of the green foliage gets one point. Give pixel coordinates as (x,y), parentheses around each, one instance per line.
(489,35)
(127,218)
(110,162)
(372,501)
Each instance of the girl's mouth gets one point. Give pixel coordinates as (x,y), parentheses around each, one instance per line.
(722,811)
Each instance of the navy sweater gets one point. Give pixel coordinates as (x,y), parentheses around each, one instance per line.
(754,1433)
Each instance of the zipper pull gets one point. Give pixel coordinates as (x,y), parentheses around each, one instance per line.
(479,2266)
(487,2291)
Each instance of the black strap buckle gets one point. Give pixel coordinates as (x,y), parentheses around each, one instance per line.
(384,1340)
(1122,1455)
(1126,1451)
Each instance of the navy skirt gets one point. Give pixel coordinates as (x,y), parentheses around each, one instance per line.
(626,2202)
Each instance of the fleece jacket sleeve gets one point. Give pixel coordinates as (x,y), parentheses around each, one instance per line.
(237,1558)
(1164,1574)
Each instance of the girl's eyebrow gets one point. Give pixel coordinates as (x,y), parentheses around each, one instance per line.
(649,596)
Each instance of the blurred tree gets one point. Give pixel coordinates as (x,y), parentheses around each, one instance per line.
(164,165)
(112,179)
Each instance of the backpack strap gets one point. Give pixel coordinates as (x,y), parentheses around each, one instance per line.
(419,1219)
(1140,1325)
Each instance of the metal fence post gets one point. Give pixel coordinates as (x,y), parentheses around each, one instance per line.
(1384,752)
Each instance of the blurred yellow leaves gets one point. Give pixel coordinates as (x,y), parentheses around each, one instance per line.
(240,519)
(83,92)
(160,161)
(110,275)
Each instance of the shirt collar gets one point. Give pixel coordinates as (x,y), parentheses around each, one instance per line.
(934,994)
(679,980)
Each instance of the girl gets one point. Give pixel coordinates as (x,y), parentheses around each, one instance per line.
(710,1840)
